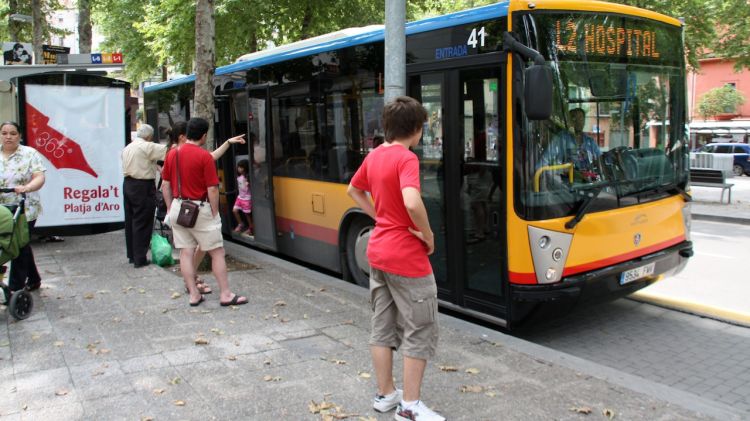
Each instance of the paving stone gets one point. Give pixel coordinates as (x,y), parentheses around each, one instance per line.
(261,367)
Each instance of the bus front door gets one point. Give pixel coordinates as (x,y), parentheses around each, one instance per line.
(260,148)
(462,187)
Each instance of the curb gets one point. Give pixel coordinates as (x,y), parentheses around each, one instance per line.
(720,218)
(730,316)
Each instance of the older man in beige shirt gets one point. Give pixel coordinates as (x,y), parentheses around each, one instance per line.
(139,190)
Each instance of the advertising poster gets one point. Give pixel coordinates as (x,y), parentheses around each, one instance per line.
(50,53)
(17,53)
(79,130)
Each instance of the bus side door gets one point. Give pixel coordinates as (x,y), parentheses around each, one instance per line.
(260,145)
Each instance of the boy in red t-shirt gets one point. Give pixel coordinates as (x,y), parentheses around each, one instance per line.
(402,285)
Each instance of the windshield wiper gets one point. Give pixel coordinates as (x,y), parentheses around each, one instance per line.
(594,191)
(669,187)
(590,197)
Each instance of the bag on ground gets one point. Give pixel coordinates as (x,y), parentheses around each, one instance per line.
(161,250)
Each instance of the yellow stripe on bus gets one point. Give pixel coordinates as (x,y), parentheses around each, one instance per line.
(594,6)
(313,202)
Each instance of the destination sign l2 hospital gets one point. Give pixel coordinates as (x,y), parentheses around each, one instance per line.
(604,40)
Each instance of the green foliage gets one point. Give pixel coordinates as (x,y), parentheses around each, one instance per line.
(712,28)
(720,101)
(24,28)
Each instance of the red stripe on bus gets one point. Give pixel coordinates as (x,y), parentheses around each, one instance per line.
(622,258)
(315,232)
(530,278)
(522,278)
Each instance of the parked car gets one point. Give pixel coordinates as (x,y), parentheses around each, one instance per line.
(741,152)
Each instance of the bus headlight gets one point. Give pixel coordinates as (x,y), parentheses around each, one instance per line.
(549,251)
(557,254)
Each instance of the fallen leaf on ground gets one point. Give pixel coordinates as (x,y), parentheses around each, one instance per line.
(88,295)
(61,392)
(472,370)
(315,408)
(141,291)
(179,403)
(267,362)
(175,381)
(280,303)
(365,375)
(608,413)
(232,358)
(217,331)
(35,336)
(448,368)
(490,394)
(25,407)
(471,389)
(581,409)
(159,391)
(201,341)
(176,295)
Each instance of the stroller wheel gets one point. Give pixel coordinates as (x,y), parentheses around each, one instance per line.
(6,293)
(21,304)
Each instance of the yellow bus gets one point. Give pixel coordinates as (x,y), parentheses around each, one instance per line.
(554,163)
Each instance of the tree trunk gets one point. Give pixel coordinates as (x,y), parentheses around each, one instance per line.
(14,27)
(204,65)
(38,24)
(306,21)
(84,26)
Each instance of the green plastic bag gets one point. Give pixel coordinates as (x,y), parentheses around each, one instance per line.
(161,251)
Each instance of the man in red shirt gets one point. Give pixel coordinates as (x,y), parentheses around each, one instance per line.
(199,183)
(402,285)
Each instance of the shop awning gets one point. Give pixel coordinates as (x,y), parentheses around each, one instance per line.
(721,127)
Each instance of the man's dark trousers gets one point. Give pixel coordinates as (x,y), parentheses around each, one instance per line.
(140,205)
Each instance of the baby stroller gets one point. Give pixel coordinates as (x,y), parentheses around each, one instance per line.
(161,212)
(14,234)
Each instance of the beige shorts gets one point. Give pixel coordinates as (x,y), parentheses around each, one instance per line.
(404,313)
(206,233)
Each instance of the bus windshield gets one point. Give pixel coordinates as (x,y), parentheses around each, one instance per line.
(616,136)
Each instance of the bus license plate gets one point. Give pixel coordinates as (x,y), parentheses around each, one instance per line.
(637,273)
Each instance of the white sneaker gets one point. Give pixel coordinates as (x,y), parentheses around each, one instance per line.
(417,412)
(386,403)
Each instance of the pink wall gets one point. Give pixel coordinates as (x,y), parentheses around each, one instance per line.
(715,73)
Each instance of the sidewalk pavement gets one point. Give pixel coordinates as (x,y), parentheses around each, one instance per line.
(694,294)
(109,342)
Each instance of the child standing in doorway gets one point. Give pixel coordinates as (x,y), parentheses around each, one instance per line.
(243,205)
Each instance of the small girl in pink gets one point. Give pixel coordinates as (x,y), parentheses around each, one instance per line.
(243,205)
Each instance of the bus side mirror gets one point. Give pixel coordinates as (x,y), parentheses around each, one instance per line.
(538,92)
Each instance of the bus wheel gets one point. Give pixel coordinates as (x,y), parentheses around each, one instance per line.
(357,237)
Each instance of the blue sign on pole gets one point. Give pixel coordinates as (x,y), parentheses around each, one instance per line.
(96,58)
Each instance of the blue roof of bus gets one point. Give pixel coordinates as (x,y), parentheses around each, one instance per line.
(376,34)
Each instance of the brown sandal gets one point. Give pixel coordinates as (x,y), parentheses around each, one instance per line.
(201,285)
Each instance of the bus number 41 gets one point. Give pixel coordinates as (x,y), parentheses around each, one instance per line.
(473,37)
